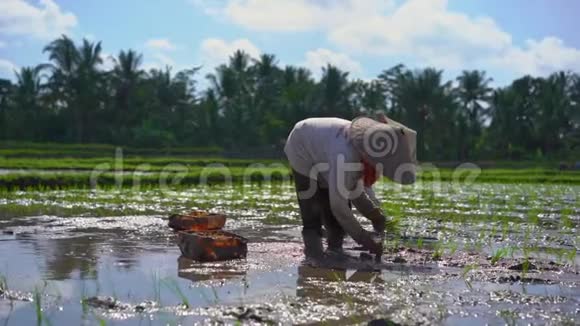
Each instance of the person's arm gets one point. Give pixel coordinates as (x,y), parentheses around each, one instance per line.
(343,213)
(372,196)
(368,205)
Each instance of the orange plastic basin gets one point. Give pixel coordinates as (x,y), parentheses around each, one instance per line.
(197,221)
(212,245)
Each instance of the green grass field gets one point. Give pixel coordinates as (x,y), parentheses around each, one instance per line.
(58,166)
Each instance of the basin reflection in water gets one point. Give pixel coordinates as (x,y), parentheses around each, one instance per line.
(194,271)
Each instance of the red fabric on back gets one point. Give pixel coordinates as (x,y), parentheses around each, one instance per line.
(370,174)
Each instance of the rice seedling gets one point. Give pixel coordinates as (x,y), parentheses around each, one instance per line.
(565,221)
(172,285)
(510,317)
(499,254)
(570,254)
(3,284)
(533,216)
(442,312)
(156,280)
(41,318)
(465,274)
(437,252)
(420,243)
(452,246)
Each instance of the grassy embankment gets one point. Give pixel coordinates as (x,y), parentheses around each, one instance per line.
(77,165)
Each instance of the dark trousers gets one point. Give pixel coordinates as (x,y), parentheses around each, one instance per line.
(315,210)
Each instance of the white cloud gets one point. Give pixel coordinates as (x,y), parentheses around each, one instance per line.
(539,57)
(291,15)
(424,32)
(7,68)
(424,27)
(209,7)
(255,14)
(160,44)
(44,20)
(215,51)
(319,58)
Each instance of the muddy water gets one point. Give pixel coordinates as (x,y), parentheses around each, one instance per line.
(107,257)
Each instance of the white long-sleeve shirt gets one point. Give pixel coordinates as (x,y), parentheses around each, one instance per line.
(320,149)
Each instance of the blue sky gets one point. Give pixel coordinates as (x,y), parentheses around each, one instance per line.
(506,38)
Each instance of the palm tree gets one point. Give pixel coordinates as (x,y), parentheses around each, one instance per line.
(76,79)
(27,100)
(126,76)
(235,89)
(161,81)
(209,120)
(266,111)
(425,103)
(473,93)
(266,74)
(265,66)
(90,57)
(554,112)
(90,84)
(335,93)
(6,90)
(297,95)
(28,85)
(65,58)
(183,89)
(127,67)
(501,139)
(240,61)
(513,113)
(369,96)
(390,82)
(572,138)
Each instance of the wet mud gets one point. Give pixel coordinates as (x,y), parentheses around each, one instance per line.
(128,270)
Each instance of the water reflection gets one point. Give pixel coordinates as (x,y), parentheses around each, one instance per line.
(78,256)
(196,272)
(312,281)
(65,256)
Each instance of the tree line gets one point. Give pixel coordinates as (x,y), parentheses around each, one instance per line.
(254,102)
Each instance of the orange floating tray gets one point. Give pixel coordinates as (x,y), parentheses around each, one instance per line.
(197,221)
(212,245)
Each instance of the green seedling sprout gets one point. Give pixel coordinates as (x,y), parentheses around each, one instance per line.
(499,254)
(464,274)
(172,285)
(420,243)
(3,284)
(41,318)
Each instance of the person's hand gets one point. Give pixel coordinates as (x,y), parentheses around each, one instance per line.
(379,224)
(371,242)
(379,221)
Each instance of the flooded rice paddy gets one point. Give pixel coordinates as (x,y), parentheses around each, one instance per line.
(478,254)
